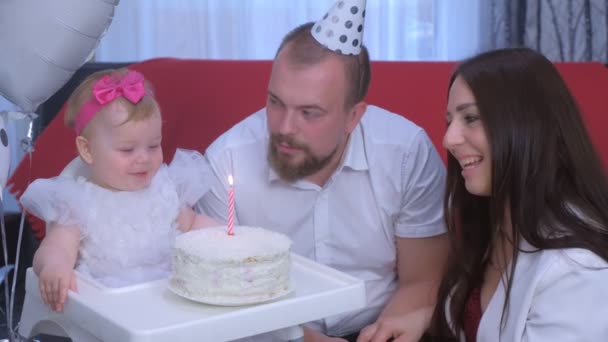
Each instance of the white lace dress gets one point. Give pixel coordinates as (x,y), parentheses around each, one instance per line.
(126,237)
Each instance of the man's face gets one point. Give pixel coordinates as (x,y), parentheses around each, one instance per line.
(307,119)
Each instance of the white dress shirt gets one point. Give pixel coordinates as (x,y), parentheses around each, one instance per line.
(389,183)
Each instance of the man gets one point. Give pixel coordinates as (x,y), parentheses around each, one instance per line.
(356,188)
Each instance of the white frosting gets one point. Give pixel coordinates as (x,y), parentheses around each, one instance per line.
(211,266)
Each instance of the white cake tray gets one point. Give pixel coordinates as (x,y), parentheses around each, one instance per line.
(150,312)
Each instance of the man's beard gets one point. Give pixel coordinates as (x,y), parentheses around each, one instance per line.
(289,171)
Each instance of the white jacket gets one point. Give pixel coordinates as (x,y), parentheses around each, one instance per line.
(557,296)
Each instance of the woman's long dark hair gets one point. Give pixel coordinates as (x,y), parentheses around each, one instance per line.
(544,168)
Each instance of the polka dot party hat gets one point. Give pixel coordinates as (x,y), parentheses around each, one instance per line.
(341,29)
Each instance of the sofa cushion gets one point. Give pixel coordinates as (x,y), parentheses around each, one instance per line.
(200,99)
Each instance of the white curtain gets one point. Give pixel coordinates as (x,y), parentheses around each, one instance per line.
(253,29)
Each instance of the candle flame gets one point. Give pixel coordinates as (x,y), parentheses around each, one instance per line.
(230,180)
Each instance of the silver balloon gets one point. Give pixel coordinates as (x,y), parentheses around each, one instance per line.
(45,42)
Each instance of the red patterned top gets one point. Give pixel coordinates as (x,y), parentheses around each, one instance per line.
(472,315)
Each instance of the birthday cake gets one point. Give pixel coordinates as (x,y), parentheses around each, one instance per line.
(211,266)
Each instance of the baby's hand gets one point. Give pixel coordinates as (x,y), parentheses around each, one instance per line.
(185,219)
(188,220)
(54,282)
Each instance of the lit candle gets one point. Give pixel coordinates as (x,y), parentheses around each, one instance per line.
(230,206)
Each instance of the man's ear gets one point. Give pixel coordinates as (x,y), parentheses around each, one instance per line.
(355,115)
(84,149)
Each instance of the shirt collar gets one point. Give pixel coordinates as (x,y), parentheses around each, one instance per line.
(272,175)
(354,157)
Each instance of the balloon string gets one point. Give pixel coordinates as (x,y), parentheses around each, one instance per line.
(6,284)
(16,275)
(28,147)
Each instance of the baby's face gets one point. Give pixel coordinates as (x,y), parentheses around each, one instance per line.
(125,155)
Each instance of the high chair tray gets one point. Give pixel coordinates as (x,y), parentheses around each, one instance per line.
(151,312)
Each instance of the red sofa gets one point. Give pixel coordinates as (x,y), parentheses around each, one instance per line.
(200,99)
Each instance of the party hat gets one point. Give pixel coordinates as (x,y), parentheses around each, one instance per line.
(341,29)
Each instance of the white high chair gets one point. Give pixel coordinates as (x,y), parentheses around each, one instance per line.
(150,312)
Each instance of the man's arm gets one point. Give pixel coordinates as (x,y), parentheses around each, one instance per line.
(420,266)
(214,202)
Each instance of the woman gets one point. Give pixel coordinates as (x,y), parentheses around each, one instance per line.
(526,206)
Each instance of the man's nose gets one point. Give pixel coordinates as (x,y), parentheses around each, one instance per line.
(288,123)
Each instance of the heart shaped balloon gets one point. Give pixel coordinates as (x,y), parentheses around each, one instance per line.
(45,42)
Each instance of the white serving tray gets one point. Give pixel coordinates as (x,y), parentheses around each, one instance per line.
(150,312)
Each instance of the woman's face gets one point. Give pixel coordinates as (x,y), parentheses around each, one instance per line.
(466,140)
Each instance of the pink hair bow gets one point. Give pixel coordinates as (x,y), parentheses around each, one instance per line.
(107,89)
(131,87)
